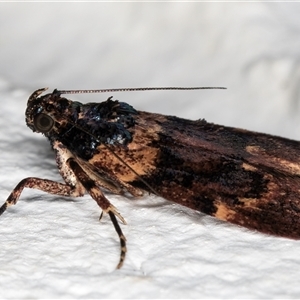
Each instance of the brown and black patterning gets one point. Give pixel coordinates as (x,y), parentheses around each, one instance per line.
(247,178)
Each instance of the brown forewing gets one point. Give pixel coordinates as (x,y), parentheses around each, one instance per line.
(243,177)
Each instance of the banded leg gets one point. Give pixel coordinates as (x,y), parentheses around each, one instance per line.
(96,193)
(44,185)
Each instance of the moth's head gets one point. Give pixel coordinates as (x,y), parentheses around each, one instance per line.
(46,114)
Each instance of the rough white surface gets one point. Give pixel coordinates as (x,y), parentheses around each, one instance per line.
(56,248)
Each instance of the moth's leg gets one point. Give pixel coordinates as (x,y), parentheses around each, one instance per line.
(71,188)
(129,188)
(109,181)
(96,193)
(44,185)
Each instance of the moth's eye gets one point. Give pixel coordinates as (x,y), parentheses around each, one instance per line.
(43,123)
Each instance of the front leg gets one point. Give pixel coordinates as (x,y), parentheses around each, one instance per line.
(45,185)
(71,188)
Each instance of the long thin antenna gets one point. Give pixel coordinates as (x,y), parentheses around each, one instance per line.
(136,89)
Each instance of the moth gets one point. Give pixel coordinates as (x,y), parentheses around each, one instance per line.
(243,177)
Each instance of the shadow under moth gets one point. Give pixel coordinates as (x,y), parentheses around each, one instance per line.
(246,178)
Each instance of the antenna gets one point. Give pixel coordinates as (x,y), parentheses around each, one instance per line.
(136,89)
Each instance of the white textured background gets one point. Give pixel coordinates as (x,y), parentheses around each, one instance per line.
(53,248)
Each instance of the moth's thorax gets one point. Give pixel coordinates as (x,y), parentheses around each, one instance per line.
(80,127)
